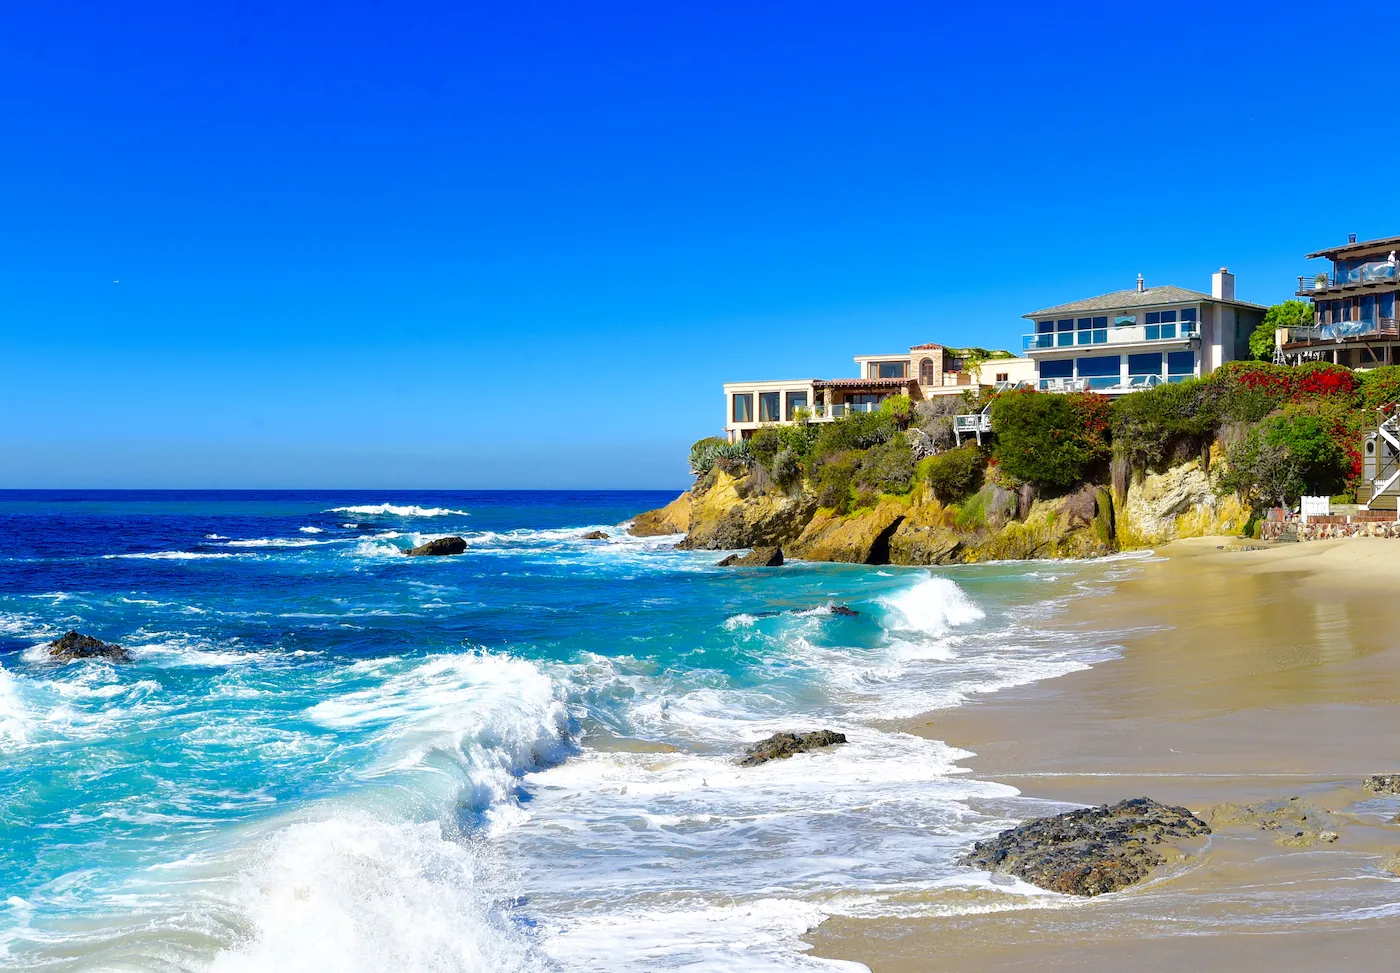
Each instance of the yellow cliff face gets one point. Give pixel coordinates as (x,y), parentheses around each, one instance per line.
(674,518)
(1180,503)
(861,538)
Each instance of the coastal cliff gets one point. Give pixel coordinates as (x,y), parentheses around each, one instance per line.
(913,529)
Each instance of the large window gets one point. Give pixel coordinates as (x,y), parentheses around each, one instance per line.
(1064,332)
(768,407)
(889,369)
(1062,368)
(743,407)
(1140,365)
(1160,324)
(795,401)
(1180,365)
(926,375)
(1093,331)
(1100,372)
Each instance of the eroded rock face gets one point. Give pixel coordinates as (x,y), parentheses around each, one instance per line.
(76,645)
(780,746)
(438,547)
(1181,502)
(1382,784)
(861,538)
(596,535)
(1294,822)
(721,520)
(1090,851)
(674,518)
(759,557)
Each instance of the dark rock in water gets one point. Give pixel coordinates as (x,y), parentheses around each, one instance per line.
(843,610)
(1091,851)
(438,546)
(596,535)
(75,645)
(1382,784)
(759,557)
(783,745)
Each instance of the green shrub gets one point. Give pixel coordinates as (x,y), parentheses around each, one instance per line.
(856,430)
(972,514)
(887,467)
(765,443)
(1166,422)
(1289,314)
(787,471)
(954,474)
(733,458)
(1049,439)
(900,410)
(1379,386)
(833,477)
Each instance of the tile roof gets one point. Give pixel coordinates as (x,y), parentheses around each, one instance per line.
(851,383)
(1148,297)
(924,347)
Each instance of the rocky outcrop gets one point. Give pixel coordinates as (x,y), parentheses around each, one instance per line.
(1382,784)
(1091,851)
(723,520)
(674,518)
(861,538)
(596,535)
(1390,863)
(1296,823)
(780,746)
(759,557)
(438,547)
(926,535)
(76,645)
(1181,502)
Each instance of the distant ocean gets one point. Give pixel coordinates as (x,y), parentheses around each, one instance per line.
(328,756)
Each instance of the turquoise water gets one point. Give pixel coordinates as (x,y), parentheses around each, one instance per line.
(326,755)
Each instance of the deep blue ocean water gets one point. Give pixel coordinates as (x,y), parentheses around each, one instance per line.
(326,755)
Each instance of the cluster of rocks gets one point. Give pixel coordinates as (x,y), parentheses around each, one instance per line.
(1276,530)
(1382,784)
(596,535)
(1298,823)
(780,746)
(759,557)
(1089,851)
(76,645)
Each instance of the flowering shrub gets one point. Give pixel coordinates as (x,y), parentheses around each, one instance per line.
(1324,380)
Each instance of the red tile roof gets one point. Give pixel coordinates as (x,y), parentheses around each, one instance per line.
(922,347)
(853,383)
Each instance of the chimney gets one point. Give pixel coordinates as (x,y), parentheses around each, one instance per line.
(1222,285)
(1141,285)
(1351,238)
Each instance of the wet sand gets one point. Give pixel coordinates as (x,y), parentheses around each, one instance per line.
(1251,675)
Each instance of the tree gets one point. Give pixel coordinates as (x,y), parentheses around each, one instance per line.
(1262,470)
(1289,314)
(1047,438)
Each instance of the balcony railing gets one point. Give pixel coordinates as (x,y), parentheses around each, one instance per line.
(1064,385)
(1124,335)
(1342,330)
(970,424)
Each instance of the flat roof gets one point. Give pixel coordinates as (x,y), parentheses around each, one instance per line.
(1382,243)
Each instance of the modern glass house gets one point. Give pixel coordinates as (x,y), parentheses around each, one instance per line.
(924,371)
(1134,339)
(1354,307)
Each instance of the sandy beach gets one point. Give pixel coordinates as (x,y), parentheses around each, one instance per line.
(1250,675)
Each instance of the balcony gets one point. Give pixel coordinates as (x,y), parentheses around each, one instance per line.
(1129,334)
(1109,384)
(1345,331)
(1349,277)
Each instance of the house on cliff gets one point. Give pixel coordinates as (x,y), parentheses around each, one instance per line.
(924,372)
(1354,308)
(1134,339)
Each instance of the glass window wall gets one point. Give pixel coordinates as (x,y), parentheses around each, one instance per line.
(743,407)
(795,401)
(768,407)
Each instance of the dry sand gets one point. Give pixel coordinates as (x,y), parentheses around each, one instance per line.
(1257,675)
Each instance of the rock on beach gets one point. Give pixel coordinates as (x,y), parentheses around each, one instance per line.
(76,645)
(1090,851)
(1382,784)
(780,746)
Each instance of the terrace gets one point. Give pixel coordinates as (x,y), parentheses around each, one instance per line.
(1080,332)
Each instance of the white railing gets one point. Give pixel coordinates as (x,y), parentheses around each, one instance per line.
(1127,334)
(977,422)
(1064,385)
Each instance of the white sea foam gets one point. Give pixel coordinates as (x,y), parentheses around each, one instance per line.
(311,530)
(172,555)
(278,542)
(933,607)
(14,718)
(405,510)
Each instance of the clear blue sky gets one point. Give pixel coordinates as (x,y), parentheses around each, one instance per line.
(523,244)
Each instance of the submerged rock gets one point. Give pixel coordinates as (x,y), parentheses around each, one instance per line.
(437,547)
(1391,863)
(780,746)
(1298,823)
(76,645)
(1090,851)
(843,610)
(759,557)
(596,535)
(1382,784)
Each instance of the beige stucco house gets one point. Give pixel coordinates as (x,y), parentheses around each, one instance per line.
(924,371)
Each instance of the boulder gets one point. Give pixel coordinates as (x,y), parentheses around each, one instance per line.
(76,645)
(674,518)
(438,547)
(780,746)
(1090,851)
(1382,784)
(859,538)
(596,535)
(759,557)
(843,610)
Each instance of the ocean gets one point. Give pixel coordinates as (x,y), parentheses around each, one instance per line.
(326,755)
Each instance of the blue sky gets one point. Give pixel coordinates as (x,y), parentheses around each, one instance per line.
(522,245)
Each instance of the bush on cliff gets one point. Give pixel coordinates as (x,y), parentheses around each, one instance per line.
(1159,425)
(1049,439)
(887,468)
(954,474)
(704,452)
(857,430)
(833,477)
